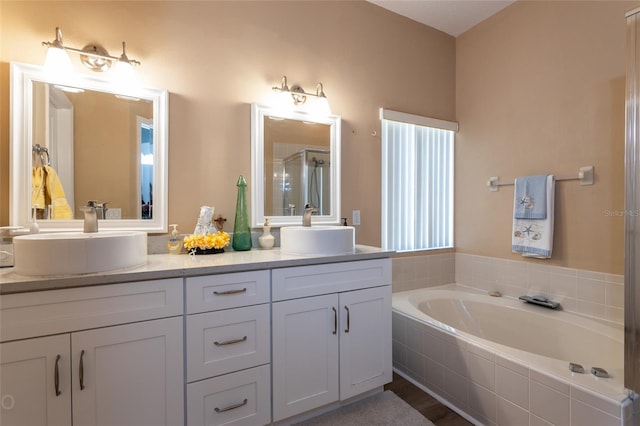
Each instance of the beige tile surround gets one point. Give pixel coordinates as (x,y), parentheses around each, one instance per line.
(485,386)
(594,294)
(492,389)
(588,293)
(420,271)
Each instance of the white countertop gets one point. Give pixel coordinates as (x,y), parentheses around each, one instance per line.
(161,266)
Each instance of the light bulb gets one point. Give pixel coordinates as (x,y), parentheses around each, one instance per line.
(321,107)
(57,64)
(282,101)
(124,77)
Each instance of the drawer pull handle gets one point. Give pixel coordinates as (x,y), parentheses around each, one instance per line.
(348,319)
(56,376)
(228,292)
(81,373)
(230,342)
(231,407)
(335,320)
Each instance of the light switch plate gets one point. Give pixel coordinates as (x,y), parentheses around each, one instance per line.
(355,217)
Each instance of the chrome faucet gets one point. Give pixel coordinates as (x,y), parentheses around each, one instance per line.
(306,217)
(90,217)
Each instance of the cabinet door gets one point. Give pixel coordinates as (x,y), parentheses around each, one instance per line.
(35,382)
(365,340)
(129,374)
(305,354)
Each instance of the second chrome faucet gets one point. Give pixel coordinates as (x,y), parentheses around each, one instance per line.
(90,218)
(306,216)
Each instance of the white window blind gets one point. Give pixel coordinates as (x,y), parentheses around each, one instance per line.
(417,182)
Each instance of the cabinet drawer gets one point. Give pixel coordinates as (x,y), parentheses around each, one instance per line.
(41,313)
(303,281)
(213,292)
(242,398)
(224,341)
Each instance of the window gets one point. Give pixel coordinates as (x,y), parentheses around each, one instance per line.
(417,182)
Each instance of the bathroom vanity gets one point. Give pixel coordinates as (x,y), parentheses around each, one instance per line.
(239,338)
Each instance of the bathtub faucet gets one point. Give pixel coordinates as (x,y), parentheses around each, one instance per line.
(540,301)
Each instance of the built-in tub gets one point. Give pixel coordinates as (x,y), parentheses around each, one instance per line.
(500,361)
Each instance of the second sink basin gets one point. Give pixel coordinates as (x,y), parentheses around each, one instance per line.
(69,253)
(317,240)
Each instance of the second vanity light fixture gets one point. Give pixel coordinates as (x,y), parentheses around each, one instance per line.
(299,96)
(93,56)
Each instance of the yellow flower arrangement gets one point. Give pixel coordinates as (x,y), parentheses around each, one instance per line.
(207,241)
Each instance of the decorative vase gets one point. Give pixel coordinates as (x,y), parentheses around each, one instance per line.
(266,240)
(208,251)
(241,229)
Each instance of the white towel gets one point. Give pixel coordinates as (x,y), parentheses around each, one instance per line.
(534,237)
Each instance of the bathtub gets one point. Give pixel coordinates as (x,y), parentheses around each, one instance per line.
(499,361)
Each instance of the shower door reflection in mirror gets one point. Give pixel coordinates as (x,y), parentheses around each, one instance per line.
(303,179)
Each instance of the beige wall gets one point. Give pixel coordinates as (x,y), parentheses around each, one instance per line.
(105,142)
(215,58)
(540,89)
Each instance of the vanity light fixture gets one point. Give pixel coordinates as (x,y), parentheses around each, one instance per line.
(299,96)
(93,56)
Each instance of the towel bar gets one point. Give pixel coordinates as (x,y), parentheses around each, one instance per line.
(585,176)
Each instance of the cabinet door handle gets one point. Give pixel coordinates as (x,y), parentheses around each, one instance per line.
(231,407)
(335,320)
(348,319)
(81,368)
(230,342)
(228,292)
(56,376)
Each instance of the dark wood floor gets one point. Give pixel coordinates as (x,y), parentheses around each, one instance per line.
(429,407)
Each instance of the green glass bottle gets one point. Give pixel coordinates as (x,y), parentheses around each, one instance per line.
(241,229)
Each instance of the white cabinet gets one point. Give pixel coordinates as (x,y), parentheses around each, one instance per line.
(92,371)
(125,354)
(333,346)
(136,368)
(365,340)
(129,374)
(35,382)
(239,398)
(228,347)
(305,354)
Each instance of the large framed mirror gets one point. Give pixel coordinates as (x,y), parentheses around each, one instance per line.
(86,139)
(295,161)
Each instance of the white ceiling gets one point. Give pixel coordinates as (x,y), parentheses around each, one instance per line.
(450,16)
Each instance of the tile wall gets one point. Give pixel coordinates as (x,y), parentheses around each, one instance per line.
(413,272)
(486,386)
(491,389)
(589,293)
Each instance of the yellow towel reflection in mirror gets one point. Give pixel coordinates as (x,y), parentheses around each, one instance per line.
(46,190)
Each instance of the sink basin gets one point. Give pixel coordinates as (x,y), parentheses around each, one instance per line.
(317,240)
(68,253)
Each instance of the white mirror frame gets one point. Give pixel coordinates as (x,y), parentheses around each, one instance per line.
(258,178)
(21,117)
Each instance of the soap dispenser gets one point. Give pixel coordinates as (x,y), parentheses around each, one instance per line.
(175,245)
(266,240)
